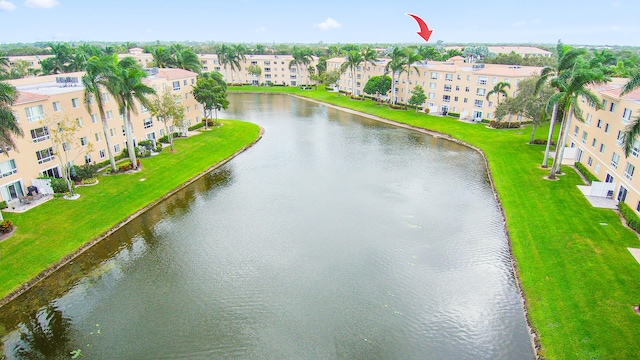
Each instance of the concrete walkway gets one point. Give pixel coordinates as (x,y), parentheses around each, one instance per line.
(598,201)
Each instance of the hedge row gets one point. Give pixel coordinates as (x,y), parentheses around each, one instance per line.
(585,172)
(504,124)
(633,221)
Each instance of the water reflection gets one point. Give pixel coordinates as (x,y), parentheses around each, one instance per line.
(44,336)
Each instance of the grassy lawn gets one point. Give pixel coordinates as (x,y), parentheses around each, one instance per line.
(47,233)
(578,278)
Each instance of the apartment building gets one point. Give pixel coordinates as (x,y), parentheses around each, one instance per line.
(450,86)
(597,143)
(62,95)
(520,50)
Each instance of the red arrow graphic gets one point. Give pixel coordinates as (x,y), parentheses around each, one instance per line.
(424,32)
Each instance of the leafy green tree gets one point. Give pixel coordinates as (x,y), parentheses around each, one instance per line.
(125,84)
(167,109)
(62,55)
(417,97)
(352,61)
(211,92)
(161,57)
(19,69)
(331,77)
(528,103)
(428,52)
(98,71)
(255,70)
(378,85)
(9,127)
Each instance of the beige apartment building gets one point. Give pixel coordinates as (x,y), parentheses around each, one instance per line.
(596,143)
(275,68)
(450,86)
(62,95)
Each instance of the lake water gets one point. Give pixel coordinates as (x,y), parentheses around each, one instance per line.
(334,237)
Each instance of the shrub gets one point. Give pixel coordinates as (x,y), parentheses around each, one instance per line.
(426,110)
(89,181)
(165,139)
(585,172)
(542,142)
(59,185)
(85,171)
(196,126)
(454,114)
(3,205)
(503,124)
(158,147)
(6,226)
(633,221)
(128,166)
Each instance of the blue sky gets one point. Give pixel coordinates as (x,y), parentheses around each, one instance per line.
(606,22)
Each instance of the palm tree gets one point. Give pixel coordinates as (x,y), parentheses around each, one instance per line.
(301,56)
(161,56)
(8,123)
(61,57)
(633,129)
(499,89)
(352,61)
(98,71)
(572,85)
(126,86)
(395,65)
(566,59)
(187,59)
(223,58)
(410,60)
(369,56)
(236,54)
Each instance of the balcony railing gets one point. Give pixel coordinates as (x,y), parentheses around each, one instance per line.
(41,138)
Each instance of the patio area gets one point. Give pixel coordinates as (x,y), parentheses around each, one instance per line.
(27,202)
(603,202)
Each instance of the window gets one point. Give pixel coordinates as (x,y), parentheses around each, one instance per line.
(597,168)
(98,137)
(468,77)
(184,82)
(432,96)
(433,85)
(56,106)
(599,124)
(83,141)
(434,75)
(176,85)
(455,98)
(45,155)
(478,103)
(94,118)
(465,100)
(448,77)
(459,77)
(116,148)
(626,116)
(40,134)
(588,119)
(34,113)
(584,137)
(112,132)
(186,96)
(123,130)
(620,138)
(447,88)
(446,98)
(606,128)
(8,168)
(87,159)
(494,80)
(109,115)
(604,103)
(602,148)
(466,89)
(79,122)
(612,107)
(482,80)
(148,122)
(477,114)
(635,150)
(628,171)
(594,142)
(481,91)
(458,87)
(102,153)
(590,161)
(75,103)
(193,81)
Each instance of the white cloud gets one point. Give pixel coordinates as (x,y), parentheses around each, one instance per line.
(41,4)
(328,24)
(6,6)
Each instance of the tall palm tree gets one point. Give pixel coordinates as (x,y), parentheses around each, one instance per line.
(187,59)
(410,60)
(223,58)
(633,129)
(98,71)
(62,55)
(566,58)
(161,56)
(126,86)
(352,61)
(301,57)
(571,85)
(500,89)
(369,56)
(395,65)
(8,123)
(236,54)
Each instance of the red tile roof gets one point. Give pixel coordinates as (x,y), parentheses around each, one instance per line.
(25,97)
(171,74)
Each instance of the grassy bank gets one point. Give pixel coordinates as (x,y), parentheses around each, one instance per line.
(579,280)
(49,232)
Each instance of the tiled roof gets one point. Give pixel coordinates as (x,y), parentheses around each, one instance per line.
(171,74)
(25,97)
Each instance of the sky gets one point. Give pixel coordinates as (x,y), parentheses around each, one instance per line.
(606,22)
